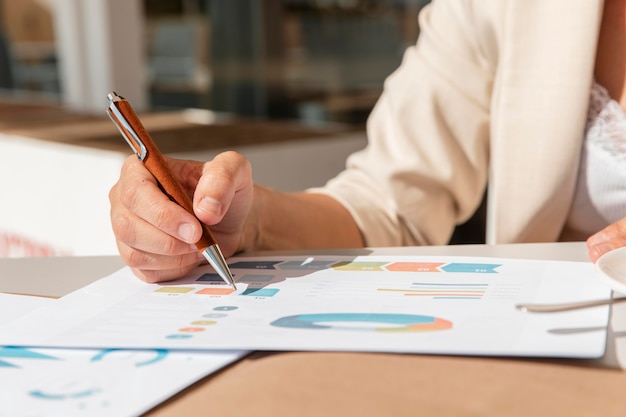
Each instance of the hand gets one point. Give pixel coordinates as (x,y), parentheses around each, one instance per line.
(607,239)
(156,236)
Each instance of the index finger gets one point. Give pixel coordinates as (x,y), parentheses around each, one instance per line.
(141,194)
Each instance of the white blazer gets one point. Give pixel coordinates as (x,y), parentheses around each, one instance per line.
(495,91)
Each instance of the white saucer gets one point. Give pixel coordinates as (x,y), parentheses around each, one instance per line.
(612,269)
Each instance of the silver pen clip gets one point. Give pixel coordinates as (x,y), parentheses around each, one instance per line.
(124,127)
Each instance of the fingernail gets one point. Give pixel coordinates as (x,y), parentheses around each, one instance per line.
(185,232)
(603,248)
(210,206)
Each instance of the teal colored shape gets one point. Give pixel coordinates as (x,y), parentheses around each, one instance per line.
(260,292)
(7,364)
(470,267)
(20,353)
(309,321)
(49,396)
(179,336)
(159,355)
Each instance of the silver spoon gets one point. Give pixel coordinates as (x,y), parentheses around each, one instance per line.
(555,308)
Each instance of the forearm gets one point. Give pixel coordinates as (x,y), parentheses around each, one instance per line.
(300,221)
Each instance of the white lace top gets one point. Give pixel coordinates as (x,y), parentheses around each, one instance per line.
(600,197)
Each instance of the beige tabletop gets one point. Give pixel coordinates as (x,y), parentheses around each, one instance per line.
(371,384)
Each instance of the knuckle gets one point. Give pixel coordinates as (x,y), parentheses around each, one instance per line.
(230,154)
(128,194)
(161,215)
(183,265)
(126,253)
(170,246)
(232,161)
(241,161)
(113,194)
(123,229)
(135,258)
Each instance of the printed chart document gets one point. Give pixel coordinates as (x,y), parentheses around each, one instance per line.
(408,304)
(40,382)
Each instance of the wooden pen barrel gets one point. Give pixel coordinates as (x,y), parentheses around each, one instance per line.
(155,162)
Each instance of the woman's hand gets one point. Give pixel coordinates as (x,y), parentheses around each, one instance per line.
(156,237)
(607,239)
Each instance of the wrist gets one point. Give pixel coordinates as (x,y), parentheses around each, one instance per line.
(252,234)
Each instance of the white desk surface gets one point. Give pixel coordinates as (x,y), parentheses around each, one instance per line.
(305,383)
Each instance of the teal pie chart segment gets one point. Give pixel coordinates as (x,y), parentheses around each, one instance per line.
(378,322)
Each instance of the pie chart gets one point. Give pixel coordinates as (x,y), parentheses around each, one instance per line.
(377,322)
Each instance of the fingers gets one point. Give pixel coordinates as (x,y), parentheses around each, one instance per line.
(606,240)
(227,175)
(154,235)
(134,232)
(137,193)
(154,268)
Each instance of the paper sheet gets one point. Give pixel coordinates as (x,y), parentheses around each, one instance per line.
(39,382)
(435,305)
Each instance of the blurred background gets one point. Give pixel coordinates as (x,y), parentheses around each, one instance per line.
(314,61)
(288,83)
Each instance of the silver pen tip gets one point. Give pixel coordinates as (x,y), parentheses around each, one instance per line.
(213,254)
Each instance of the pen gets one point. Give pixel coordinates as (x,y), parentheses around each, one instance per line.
(131,128)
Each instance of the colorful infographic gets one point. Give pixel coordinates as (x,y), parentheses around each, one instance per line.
(41,382)
(411,304)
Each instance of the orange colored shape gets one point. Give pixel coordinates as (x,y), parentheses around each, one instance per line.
(216,291)
(191,329)
(435,325)
(414,266)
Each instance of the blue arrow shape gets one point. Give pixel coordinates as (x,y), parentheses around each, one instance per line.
(471,267)
(20,353)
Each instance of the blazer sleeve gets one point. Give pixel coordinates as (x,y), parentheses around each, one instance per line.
(425,166)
